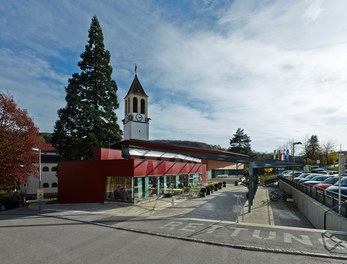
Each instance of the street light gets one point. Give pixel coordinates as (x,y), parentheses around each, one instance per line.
(40,176)
(295,143)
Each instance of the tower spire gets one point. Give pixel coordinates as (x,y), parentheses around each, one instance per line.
(135,69)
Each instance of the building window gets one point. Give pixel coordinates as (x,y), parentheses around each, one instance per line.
(45,185)
(135,105)
(119,188)
(54,168)
(126,107)
(45,168)
(143,106)
(54,185)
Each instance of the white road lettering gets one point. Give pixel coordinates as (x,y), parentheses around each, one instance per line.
(171,225)
(303,240)
(333,243)
(213,228)
(191,227)
(237,231)
(256,234)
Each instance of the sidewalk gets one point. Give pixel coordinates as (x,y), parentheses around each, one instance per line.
(280,213)
(222,205)
(261,211)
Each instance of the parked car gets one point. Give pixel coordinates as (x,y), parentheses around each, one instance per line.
(325,184)
(333,173)
(316,179)
(9,202)
(290,174)
(307,178)
(321,171)
(301,176)
(335,188)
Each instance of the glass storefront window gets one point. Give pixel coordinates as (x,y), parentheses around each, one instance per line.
(119,189)
(132,189)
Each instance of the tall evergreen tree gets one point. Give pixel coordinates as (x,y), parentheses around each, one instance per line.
(88,120)
(240,143)
(312,148)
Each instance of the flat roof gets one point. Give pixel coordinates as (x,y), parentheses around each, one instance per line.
(205,154)
(199,153)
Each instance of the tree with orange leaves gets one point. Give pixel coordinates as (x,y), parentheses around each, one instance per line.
(17,136)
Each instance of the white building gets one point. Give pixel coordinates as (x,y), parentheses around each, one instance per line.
(136,120)
(49,176)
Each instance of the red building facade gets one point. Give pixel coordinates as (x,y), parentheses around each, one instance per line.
(110,177)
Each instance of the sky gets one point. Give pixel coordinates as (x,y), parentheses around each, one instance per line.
(277,69)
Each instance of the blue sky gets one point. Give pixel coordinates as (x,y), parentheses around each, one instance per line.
(277,69)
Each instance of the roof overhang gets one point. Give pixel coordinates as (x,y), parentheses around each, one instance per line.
(132,151)
(199,153)
(266,163)
(203,154)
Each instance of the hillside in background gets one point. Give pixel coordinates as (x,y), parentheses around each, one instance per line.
(188,143)
(45,137)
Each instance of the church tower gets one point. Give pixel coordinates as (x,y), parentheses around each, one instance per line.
(136,121)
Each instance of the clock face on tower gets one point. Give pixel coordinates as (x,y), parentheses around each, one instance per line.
(138,117)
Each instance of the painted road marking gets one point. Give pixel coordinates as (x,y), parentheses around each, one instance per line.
(330,242)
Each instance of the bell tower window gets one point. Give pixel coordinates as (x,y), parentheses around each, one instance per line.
(135,105)
(143,106)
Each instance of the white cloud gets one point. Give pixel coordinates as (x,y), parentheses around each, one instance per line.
(275,69)
(313,11)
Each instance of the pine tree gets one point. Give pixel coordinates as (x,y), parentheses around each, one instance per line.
(89,119)
(313,150)
(240,143)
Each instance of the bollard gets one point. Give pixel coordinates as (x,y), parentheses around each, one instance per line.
(173,201)
(235,183)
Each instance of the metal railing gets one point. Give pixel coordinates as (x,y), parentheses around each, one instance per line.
(325,213)
(240,207)
(326,198)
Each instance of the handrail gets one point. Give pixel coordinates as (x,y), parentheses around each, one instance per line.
(332,208)
(239,204)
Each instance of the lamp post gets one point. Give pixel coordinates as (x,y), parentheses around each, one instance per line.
(295,143)
(40,175)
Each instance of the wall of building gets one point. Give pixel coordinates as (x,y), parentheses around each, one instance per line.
(136,130)
(85,181)
(106,154)
(157,167)
(49,180)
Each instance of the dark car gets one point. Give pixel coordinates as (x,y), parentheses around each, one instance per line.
(307,178)
(316,179)
(325,184)
(301,176)
(335,188)
(9,202)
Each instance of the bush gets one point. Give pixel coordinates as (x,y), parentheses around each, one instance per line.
(202,192)
(211,188)
(208,190)
(216,186)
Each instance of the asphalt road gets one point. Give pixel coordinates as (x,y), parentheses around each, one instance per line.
(29,238)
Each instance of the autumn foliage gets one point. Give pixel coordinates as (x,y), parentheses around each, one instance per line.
(17,136)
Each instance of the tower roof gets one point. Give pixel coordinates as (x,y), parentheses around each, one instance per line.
(136,88)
